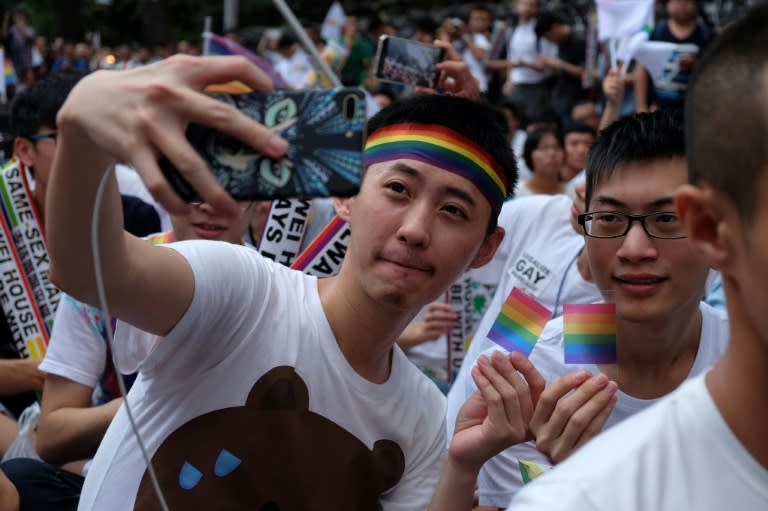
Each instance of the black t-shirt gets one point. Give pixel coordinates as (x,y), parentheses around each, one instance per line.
(669,91)
(568,89)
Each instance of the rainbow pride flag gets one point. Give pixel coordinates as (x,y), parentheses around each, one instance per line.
(220,45)
(590,333)
(9,73)
(519,323)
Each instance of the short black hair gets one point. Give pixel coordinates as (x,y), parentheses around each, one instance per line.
(635,138)
(545,21)
(475,121)
(38,105)
(578,127)
(726,105)
(533,140)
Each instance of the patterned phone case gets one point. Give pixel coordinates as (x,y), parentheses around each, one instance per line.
(325,130)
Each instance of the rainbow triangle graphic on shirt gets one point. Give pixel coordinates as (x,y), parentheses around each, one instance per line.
(530,470)
(519,323)
(590,333)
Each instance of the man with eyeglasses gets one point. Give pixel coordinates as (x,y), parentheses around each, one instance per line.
(641,260)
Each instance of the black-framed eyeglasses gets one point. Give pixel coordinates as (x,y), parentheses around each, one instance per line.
(664,225)
(44,136)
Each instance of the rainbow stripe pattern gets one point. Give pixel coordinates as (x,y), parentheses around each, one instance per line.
(220,45)
(590,333)
(442,147)
(519,323)
(9,73)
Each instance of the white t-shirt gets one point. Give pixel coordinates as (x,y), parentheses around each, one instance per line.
(524,47)
(250,397)
(678,454)
(475,65)
(539,251)
(77,349)
(500,477)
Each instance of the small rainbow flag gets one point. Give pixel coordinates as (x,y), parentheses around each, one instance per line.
(9,73)
(590,333)
(519,323)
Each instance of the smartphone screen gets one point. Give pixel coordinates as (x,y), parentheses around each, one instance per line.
(408,62)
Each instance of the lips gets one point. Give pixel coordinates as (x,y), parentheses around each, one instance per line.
(640,279)
(408,263)
(640,285)
(208,230)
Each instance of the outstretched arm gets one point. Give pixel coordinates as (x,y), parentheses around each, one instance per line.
(134,117)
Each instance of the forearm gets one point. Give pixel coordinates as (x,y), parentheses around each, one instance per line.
(611,113)
(641,89)
(456,488)
(69,434)
(17,376)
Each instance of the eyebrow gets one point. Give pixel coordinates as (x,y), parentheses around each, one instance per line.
(658,203)
(450,190)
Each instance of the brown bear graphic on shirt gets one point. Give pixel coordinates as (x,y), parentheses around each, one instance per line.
(272,454)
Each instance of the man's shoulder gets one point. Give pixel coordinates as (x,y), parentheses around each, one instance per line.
(632,455)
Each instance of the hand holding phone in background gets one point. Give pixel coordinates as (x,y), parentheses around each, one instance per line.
(455,77)
(408,62)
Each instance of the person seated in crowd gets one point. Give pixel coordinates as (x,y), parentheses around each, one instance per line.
(642,262)
(81,394)
(702,447)
(578,138)
(321,351)
(543,154)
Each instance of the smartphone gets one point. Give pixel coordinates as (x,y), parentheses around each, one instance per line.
(325,131)
(409,62)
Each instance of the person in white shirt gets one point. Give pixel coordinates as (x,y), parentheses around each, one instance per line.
(704,446)
(260,384)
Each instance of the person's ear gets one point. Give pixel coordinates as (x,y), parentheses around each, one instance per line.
(24,149)
(488,248)
(709,220)
(343,207)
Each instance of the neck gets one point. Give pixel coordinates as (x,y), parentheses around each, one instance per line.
(655,357)
(542,185)
(738,381)
(364,330)
(682,29)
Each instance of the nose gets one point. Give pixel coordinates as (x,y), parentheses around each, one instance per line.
(415,225)
(637,246)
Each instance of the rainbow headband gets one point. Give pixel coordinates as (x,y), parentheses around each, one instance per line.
(441,147)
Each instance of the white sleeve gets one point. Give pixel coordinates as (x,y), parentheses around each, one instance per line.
(232,284)
(77,348)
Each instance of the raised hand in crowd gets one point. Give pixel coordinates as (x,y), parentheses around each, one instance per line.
(439,319)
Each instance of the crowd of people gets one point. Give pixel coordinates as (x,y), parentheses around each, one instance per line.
(498,334)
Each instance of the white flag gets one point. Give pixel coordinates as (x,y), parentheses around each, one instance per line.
(334,20)
(629,46)
(623,18)
(661,58)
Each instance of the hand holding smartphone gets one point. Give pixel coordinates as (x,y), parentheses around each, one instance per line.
(408,62)
(325,131)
